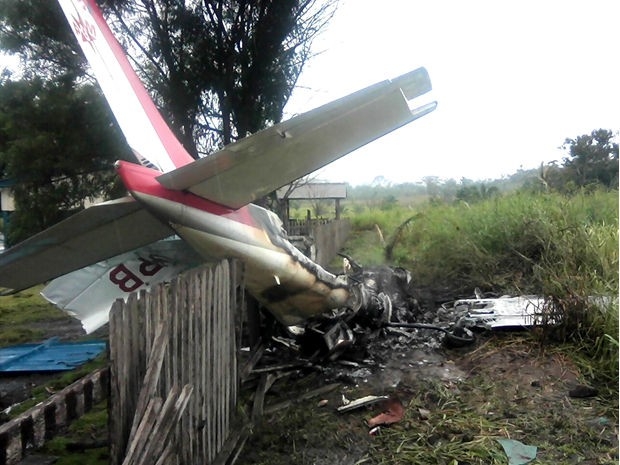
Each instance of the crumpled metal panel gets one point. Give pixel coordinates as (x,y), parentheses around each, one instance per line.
(503,312)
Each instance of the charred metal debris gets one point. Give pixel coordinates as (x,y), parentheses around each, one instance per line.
(385,305)
(384,314)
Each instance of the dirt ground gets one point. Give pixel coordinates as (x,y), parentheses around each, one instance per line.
(456,402)
(501,387)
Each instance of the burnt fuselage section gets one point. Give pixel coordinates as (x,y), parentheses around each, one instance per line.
(290,285)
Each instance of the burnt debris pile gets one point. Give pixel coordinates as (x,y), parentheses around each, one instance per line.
(386,316)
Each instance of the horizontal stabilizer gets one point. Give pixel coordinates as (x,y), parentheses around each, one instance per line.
(99,232)
(88,293)
(256,165)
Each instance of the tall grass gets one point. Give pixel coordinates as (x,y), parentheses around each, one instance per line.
(518,243)
(564,248)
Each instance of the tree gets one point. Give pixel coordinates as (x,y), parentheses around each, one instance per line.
(37,32)
(56,143)
(592,159)
(219,69)
(471,193)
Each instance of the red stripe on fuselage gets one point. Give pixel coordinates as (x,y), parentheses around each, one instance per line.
(175,150)
(140,179)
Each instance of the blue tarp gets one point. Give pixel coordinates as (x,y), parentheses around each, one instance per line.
(50,355)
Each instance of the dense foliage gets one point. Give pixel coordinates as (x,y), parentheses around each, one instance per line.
(592,160)
(57,147)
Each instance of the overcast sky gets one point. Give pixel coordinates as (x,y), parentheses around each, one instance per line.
(512,79)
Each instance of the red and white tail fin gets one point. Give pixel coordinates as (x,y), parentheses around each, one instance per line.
(146,132)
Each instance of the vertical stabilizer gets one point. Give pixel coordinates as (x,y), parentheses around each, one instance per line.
(147,133)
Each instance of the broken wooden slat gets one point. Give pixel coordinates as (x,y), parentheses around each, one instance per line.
(149,385)
(308,395)
(168,417)
(143,430)
(199,310)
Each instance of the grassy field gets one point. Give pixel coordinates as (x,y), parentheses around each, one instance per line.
(565,248)
(25,317)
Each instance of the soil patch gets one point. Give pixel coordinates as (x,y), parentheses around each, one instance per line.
(457,403)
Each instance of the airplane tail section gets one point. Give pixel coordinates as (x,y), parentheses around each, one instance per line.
(97,233)
(251,168)
(146,132)
(232,177)
(88,293)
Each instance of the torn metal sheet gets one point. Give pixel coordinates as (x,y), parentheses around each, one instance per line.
(338,338)
(502,312)
(361,402)
(326,338)
(50,355)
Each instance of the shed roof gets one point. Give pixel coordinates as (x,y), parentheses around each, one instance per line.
(318,190)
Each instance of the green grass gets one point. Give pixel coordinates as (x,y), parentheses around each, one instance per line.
(449,422)
(462,423)
(564,248)
(42,392)
(89,429)
(24,318)
(19,311)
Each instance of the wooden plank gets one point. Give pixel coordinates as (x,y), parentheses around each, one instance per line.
(230,343)
(115,404)
(174,332)
(266,381)
(185,431)
(151,378)
(308,395)
(124,379)
(218,356)
(199,310)
(168,417)
(150,325)
(204,309)
(226,340)
(144,430)
(167,457)
(209,364)
(197,398)
(163,311)
(248,367)
(233,446)
(134,360)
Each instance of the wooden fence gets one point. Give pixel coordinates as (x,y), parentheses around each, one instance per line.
(327,237)
(173,370)
(42,422)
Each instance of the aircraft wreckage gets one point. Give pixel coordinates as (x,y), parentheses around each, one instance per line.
(181,211)
(121,246)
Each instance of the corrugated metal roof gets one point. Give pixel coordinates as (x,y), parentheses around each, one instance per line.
(50,355)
